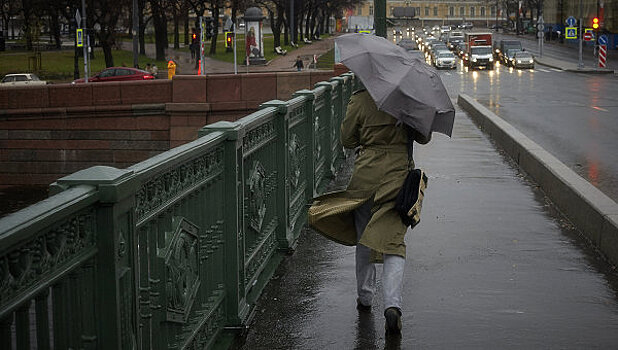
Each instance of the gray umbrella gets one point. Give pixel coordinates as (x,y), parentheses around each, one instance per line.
(401,85)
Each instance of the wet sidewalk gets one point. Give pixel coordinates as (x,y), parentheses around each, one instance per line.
(278,64)
(492,265)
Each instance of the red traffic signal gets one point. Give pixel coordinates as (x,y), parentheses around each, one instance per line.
(595,23)
(229,39)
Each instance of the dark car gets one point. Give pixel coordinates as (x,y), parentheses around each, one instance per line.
(118,74)
(407,44)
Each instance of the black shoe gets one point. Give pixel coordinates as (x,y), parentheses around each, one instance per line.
(362,307)
(393,321)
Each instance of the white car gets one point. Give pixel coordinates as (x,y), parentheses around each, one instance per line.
(21,79)
(445,59)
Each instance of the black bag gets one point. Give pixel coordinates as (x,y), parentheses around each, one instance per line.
(409,200)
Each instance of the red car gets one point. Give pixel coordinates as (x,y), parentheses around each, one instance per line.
(118,74)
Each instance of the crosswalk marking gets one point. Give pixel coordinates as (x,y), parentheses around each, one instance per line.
(556,70)
(542,70)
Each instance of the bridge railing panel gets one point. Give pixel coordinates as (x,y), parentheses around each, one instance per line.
(178,243)
(167,253)
(47,273)
(298,179)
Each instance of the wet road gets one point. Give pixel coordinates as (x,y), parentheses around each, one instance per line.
(573,116)
(490,266)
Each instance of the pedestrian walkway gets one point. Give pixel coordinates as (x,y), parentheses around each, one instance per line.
(492,265)
(570,67)
(278,64)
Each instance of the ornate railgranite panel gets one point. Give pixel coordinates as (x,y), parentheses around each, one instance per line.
(204,324)
(167,187)
(261,251)
(182,264)
(46,254)
(297,115)
(257,137)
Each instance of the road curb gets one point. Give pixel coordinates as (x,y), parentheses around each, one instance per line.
(584,70)
(590,210)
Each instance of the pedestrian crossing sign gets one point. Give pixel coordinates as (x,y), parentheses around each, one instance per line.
(80,37)
(570,33)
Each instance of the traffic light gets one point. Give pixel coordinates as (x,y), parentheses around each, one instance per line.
(229,39)
(595,23)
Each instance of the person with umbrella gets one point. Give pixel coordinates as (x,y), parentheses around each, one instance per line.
(381,119)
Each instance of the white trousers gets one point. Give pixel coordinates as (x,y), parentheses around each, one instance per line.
(392,273)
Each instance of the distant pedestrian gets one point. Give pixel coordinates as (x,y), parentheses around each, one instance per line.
(299,64)
(148,68)
(154,69)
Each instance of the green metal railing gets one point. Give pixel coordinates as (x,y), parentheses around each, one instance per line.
(173,251)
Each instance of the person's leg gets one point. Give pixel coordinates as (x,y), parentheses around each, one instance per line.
(393,280)
(392,283)
(365,271)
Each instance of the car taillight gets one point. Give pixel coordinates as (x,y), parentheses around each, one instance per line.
(148,77)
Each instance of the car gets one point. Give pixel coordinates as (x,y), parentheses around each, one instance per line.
(523,59)
(397,32)
(435,48)
(21,79)
(465,25)
(509,57)
(501,46)
(445,59)
(407,44)
(416,54)
(461,49)
(118,74)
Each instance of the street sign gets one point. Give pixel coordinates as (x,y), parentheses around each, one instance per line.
(603,40)
(571,21)
(602,55)
(78,18)
(540,35)
(588,36)
(80,37)
(570,33)
(540,27)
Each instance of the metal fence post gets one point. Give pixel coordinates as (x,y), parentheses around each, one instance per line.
(237,308)
(285,241)
(115,303)
(328,111)
(311,139)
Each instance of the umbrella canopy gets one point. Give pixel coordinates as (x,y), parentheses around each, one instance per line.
(401,85)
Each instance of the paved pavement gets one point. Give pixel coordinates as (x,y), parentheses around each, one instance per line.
(278,64)
(492,265)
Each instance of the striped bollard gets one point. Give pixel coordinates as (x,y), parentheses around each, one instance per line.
(602,55)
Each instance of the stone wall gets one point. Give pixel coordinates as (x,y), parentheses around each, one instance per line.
(50,131)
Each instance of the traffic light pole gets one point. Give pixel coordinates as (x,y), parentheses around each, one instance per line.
(87,42)
(135,31)
(234,43)
(202,41)
(581,58)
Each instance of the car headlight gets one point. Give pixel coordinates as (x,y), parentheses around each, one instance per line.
(491,59)
(531,61)
(518,61)
(473,59)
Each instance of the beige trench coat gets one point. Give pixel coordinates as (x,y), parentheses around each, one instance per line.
(380,168)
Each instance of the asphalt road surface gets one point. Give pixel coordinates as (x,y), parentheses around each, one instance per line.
(573,116)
